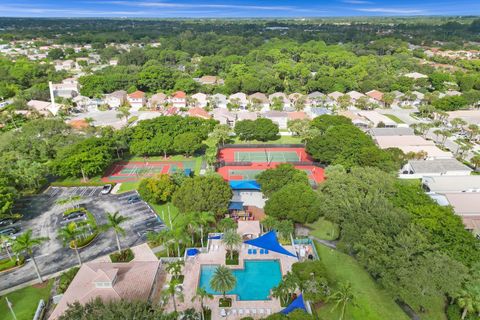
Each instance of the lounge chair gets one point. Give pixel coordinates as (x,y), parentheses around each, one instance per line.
(266,251)
(262,251)
(247,311)
(223,313)
(249,251)
(254,251)
(240,312)
(233,312)
(254,311)
(269,311)
(261,311)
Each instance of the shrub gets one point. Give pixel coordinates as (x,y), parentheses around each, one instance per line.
(9,264)
(85,241)
(233,261)
(66,278)
(123,256)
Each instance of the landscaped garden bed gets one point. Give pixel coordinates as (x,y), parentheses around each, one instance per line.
(123,256)
(9,264)
(88,229)
(225,302)
(231,258)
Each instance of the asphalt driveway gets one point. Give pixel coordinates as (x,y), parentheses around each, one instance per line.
(43,215)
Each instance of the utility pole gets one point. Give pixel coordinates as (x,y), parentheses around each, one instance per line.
(9,304)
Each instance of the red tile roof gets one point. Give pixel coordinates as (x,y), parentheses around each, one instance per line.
(375,94)
(199,113)
(179,95)
(137,95)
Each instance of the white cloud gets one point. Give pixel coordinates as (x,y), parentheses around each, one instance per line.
(392,10)
(357,2)
(151,4)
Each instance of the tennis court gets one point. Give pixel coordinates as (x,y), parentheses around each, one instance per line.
(266,156)
(134,170)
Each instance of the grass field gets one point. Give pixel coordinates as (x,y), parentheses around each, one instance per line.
(281,140)
(128,186)
(324,229)
(25,301)
(162,211)
(373,303)
(394,118)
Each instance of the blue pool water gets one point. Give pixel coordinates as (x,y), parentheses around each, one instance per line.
(254,282)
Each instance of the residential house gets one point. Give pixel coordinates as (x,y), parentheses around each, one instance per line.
(466,205)
(281,98)
(399,131)
(315,99)
(314,112)
(413,144)
(247,116)
(224,116)
(198,113)
(136,280)
(278,117)
(137,100)
(296,115)
(113,62)
(378,119)
(376,96)
(357,120)
(209,80)
(179,99)
(64,65)
(415,75)
(158,101)
(218,101)
(419,169)
(115,99)
(452,182)
(259,101)
(335,95)
(45,108)
(68,89)
(239,99)
(199,100)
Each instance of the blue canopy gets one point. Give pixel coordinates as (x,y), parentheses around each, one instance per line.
(244,185)
(218,236)
(192,252)
(269,241)
(188,172)
(296,304)
(235,205)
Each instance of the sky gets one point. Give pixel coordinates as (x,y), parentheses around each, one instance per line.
(234,8)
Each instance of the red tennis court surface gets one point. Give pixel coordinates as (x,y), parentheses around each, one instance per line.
(124,171)
(266,154)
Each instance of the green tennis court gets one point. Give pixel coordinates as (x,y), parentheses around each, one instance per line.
(140,170)
(266,156)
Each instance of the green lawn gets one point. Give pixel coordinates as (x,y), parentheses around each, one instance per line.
(324,229)
(162,211)
(128,186)
(25,301)
(372,302)
(281,140)
(394,118)
(73,182)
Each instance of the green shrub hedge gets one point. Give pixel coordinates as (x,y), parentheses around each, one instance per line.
(6,264)
(66,278)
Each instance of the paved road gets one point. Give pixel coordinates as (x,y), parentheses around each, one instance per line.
(43,216)
(450,143)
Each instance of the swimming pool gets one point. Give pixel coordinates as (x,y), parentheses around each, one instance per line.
(254,282)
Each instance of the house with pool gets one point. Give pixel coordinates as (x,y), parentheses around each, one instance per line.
(262,262)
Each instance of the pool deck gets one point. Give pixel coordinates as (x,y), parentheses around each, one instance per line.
(216,255)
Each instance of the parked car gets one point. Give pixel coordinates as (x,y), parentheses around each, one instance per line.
(106,189)
(133,199)
(78,215)
(6,222)
(9,231)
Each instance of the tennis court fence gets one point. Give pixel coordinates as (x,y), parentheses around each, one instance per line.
(259,145)
(221,164)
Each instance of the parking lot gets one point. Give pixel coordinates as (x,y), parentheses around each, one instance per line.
(43,214)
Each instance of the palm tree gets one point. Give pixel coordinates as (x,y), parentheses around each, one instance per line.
(113,222)
(179,236)
(4,243)
(200,295)
(231,239)
(223,280)
(161,237)
(468,301)
(189,314)
(175,268)
(172,292)
(69,235)
(285,288)
(204,219)
(26,243)
(475,160)
(342,298)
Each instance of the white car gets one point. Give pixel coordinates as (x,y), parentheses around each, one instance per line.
(106,189)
